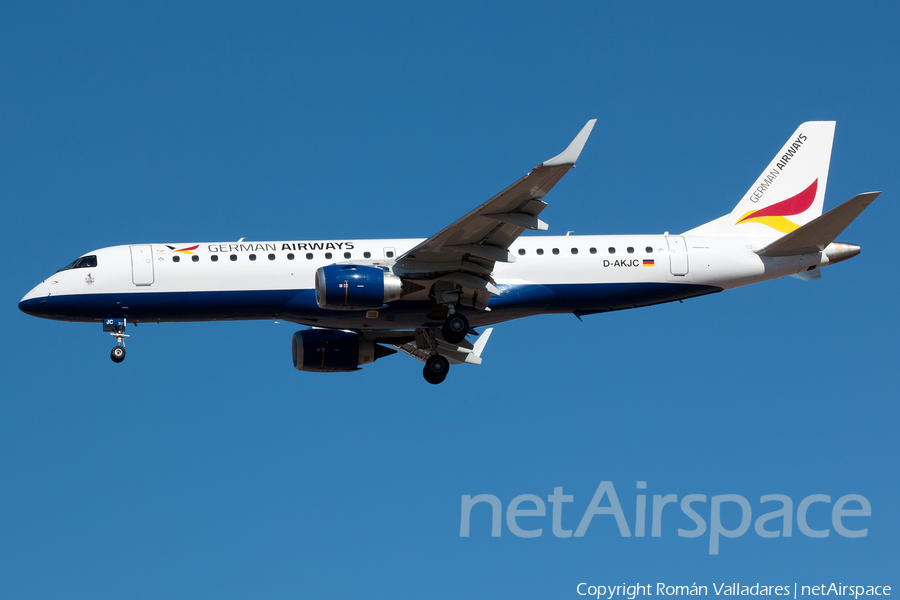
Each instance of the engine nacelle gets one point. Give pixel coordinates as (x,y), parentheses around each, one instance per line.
(355,287)
(333,351)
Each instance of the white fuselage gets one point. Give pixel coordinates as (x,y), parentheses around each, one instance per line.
(261,280)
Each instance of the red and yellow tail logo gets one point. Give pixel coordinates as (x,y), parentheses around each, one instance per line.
(188,250)
(775,215)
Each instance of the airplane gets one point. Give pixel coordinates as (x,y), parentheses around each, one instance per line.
(363,300)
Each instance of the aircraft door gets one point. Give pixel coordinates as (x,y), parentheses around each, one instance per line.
(678,258)
(142,265)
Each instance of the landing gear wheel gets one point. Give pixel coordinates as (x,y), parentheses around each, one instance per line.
(455,328)
(118,354)
(436,369)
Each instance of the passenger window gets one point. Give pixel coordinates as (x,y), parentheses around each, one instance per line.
(346,255)
(252,257)
(233,257)
(328,255)
(367,255)
(176,258)
(556,251)
(309,256)
(390,254)
(540,251)
(574,250)
(649,250)
(214,257)
(630,250)
(271,257)
(195,258)
(593,251)
(290,256)
(521,251)
(611,250)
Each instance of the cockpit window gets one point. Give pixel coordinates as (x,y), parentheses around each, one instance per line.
(85,262)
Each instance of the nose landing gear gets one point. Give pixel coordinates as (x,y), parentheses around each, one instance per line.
(116,328)
(118,354)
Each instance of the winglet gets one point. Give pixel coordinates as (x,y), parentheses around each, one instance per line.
(570,154)
(481,342)
(473,357)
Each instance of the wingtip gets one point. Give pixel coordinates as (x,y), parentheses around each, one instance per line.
(571,154)
(481,342)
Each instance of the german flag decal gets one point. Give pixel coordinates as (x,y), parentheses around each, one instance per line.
(774,215)
(649,262)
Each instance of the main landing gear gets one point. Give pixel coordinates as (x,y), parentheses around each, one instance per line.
(116,328)
(454,331)
(436,369)
(455,328)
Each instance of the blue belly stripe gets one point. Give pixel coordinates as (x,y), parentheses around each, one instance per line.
(300,305)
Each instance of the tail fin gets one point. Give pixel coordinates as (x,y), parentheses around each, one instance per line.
(788,194)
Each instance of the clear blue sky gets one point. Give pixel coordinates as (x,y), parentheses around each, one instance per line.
(206,466)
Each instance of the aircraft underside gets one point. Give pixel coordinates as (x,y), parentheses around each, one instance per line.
(299,306)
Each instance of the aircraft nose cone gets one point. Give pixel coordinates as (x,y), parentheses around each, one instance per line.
(33,302)
(31,306)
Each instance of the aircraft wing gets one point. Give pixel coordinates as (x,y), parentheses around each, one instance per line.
(464,254)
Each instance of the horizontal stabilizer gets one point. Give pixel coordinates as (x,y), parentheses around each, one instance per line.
(821,231)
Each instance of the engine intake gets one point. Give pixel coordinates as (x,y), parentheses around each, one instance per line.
(334,351)
(355,287)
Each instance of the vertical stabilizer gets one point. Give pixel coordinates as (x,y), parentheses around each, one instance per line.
(788,194)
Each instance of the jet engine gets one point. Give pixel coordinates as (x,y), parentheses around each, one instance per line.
(334,351)
(354,287)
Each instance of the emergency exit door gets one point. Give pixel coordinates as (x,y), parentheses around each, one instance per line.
(142,265)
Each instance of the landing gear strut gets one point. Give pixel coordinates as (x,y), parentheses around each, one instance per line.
(455,328)
(436,369)
(116,328)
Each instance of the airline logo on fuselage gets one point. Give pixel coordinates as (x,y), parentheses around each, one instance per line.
(272,247)
(188,250)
